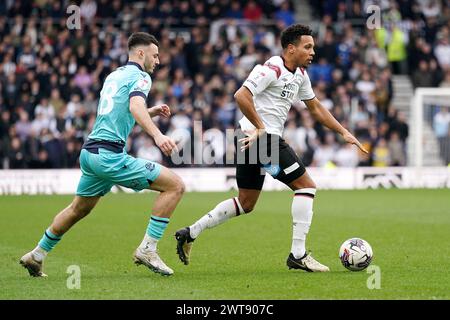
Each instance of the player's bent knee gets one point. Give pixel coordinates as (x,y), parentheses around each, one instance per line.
(247,206)
(248,209)
(311,185)
(180,187)
(302,183)
(247,202)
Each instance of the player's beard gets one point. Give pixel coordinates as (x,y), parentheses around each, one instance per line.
(303,65)
(306,64)
(147,66)
(148,69)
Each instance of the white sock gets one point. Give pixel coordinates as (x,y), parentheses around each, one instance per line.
(221,213)
(302,212)
(39,254)
(148,243)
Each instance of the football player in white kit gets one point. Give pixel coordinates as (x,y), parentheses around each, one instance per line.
(265,99)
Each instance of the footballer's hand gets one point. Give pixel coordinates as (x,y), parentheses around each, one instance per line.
(159,110)
(251,138)
(349,138)
(166,144)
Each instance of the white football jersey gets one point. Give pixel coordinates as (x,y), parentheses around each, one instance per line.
(274,90)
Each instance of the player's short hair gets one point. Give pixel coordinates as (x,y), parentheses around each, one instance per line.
(292,34)
(141,38)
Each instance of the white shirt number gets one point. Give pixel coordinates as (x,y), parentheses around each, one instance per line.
(106,103)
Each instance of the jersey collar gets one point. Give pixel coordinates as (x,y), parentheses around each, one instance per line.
(135,64)
(284,64)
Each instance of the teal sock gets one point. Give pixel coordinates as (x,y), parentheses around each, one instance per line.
(49,240)
(156,227)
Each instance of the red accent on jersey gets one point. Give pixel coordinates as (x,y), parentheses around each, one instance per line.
(274,68)
(303,71)
(236,207)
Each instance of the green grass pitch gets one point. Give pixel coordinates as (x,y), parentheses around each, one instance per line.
(241,259)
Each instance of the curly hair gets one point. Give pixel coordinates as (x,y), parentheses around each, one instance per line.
(292,34)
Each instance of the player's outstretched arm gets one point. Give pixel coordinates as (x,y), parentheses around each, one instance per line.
(139,111)
(321,114)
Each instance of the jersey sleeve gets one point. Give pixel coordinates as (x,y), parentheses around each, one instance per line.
(305,92)
(140,86)
(259,79)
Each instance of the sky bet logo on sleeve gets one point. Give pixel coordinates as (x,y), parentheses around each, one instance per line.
(143,85)
(252,82)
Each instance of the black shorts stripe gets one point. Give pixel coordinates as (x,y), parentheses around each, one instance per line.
(159,220)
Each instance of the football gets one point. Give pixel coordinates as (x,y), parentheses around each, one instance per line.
(355,254)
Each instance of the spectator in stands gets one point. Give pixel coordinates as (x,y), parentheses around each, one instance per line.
(422,77)
(395,41)
(441,122)
(41,162)
(16,154)
(365,85)
(396,150)
(149,151)
(44,64)
(285,15)
(23,125)
(88,9)
(235,11)
(324,154)
(445,148)
(346,156)
(442,51)
(397,121)
(252,11)
(446,81)
(381,99)
(72,149)
(83,79)
(321,71)
(381,155)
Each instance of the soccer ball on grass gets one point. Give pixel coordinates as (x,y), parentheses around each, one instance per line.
(355,254)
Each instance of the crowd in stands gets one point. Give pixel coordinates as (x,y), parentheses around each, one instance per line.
(51,75)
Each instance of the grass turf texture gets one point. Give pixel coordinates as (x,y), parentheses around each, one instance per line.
(241,259)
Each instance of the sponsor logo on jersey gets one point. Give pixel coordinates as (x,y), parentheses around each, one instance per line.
(289,90)
(143,85)
(150,166)
(252,82)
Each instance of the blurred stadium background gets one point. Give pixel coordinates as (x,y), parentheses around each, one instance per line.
(50,76)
